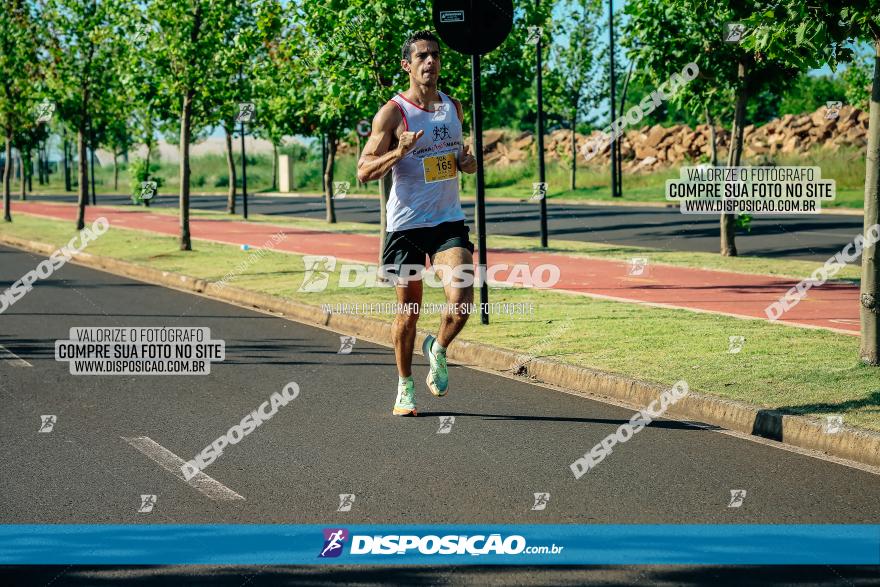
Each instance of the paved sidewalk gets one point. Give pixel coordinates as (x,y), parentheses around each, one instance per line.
(832,306)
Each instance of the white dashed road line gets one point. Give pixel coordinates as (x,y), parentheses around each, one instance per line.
(11,358)
(172,463)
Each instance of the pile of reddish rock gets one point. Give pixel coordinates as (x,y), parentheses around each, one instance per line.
(653,147)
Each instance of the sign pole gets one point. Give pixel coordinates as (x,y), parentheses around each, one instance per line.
(476,92)
(476,28)
(243,175)
(613,151)
(541,172)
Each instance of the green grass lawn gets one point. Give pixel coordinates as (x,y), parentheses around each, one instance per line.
(794,269)
(800,371)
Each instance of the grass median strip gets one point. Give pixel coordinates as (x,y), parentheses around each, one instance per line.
(800,371)
(790,268)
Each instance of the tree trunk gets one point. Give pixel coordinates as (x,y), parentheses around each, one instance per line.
(728,221)
(66,163)
(92,168)
(357,157)
(328,178)
(274,167)
(230,168)
(323,163)
(185,123)
(23,185)
(115,172)
(713,142)
(149,156)
(870,296)
(573,185)
(83,179)
(29,171)
(39,164)
(7,174)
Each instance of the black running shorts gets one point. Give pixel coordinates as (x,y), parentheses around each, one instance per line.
(410,247)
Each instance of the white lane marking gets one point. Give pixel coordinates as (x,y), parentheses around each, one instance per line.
(172,463)
(11,358)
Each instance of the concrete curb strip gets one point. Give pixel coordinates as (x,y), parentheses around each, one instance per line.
(858,445)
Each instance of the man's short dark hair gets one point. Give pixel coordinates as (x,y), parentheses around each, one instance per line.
(417,36)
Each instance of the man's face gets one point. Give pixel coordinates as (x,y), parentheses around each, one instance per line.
(424,64)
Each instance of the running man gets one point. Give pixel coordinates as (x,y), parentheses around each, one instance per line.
(418,138)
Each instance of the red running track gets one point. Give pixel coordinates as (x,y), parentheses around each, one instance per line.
(831,306)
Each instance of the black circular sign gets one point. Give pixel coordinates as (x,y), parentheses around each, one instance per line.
(363,128)
(473,27)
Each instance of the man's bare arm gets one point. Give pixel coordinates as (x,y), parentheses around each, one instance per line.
(378,157)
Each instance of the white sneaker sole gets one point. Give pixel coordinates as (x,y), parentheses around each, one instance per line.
(430,382)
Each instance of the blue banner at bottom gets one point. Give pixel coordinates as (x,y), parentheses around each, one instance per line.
(244,544)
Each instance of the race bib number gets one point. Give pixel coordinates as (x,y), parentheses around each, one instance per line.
(440,167)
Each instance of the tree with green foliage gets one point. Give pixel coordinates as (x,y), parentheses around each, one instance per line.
(811,92)
(190,56)
(81,38)
(809,34)
(269,85)
(666,36)
(149,103)
(28,137)
(572,83)
(350,55)
(857,78)
(20,84)
(245,61)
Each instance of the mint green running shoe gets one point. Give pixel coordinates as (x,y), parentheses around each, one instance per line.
(405,405)
(438,376)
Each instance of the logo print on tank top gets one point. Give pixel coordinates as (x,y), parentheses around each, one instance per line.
(441,133)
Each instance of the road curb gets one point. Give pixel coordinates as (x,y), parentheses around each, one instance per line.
(849,443)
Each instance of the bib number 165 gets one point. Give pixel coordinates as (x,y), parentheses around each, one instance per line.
(440,167)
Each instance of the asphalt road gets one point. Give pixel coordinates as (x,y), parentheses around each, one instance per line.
(509,440)
(798,237)
(479,576)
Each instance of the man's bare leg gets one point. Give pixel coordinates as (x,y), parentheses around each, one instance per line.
(404,336)
(458,297)
(404,328)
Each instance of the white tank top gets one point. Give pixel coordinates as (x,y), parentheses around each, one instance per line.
(425,189)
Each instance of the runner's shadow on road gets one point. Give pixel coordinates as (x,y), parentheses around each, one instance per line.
(667,424)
